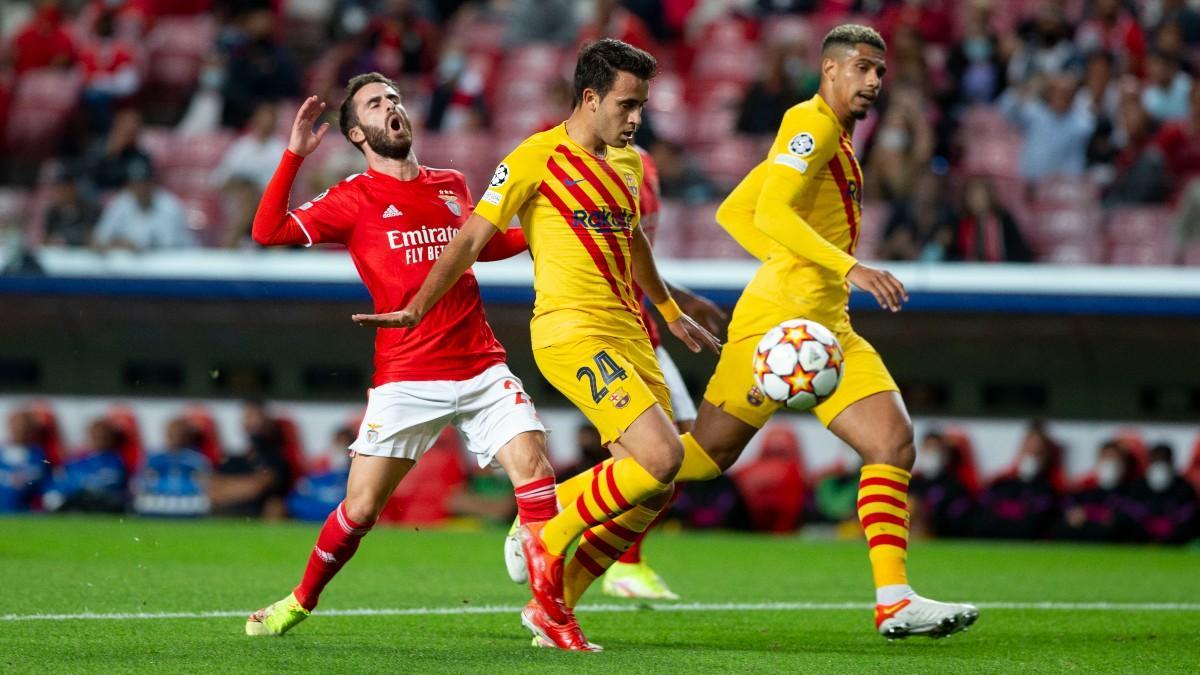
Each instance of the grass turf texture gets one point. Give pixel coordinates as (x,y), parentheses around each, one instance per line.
(69,566)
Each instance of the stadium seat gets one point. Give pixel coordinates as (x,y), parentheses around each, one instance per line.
(730,158)
(48,435)
(124,420)
(206,428)
(42,102)
(704,238)
(293,450)
(1141,236)
(177,46)
(184,166)
(475,155)
(1066,191)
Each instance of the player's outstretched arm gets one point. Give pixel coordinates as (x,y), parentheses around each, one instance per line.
(682,326)
(462,252)
(272,226)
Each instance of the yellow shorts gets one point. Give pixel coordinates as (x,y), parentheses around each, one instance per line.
(732,387)
(611,380)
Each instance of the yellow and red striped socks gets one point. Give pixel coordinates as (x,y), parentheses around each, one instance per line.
(536,500)
(616,488)
(883,513)
(336,544)
(600,547)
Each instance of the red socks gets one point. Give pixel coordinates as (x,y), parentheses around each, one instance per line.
(536,501)
(336,544)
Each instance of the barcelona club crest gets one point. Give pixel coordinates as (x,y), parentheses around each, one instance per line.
(755,396)
(619,398)
(451,201)
(631,181)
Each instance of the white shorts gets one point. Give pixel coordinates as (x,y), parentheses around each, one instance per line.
(681,400)
(403,419)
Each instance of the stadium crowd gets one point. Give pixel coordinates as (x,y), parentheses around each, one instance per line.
(1015,130)
(1134,493)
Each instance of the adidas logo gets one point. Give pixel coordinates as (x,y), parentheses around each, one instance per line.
(392,212)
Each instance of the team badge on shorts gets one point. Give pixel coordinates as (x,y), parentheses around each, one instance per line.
(451,201)
(373,433)
(619,398)
(755,396)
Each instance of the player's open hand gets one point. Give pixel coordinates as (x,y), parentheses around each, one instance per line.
(887,289)
(705,311)
(303,139)
(403,319)
(694,335)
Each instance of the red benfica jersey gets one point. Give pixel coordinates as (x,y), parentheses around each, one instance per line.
(649,205)
(395,230)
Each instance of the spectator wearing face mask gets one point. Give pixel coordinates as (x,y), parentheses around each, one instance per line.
(1023,502)
(941,502)
(1096,510)
(1163,505)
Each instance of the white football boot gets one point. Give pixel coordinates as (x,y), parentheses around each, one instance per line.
(915,615)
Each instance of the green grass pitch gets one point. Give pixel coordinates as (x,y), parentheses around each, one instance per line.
(1107,609)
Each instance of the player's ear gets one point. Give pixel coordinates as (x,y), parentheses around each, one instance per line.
(356,135)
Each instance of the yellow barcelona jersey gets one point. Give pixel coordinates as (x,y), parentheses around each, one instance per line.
(806,259)
(578,212)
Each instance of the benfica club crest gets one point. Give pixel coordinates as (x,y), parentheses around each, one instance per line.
(451,201)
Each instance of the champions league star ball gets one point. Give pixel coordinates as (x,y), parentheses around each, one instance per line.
(798,363)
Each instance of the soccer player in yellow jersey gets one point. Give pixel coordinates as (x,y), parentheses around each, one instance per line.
(574,189)
(799,212)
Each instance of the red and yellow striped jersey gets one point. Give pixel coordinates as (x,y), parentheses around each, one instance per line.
(578,212)
(809,276)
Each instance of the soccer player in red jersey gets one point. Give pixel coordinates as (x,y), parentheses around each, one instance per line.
(395,219)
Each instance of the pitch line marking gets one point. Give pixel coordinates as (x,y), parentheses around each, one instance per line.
(586,609)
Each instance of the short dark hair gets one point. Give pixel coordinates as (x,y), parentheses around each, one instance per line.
(347,117)
(600,61)
(850,34)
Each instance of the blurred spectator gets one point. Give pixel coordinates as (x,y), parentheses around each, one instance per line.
(111,72)
(1056,130)
(94,479)
(405,43)
(1100,91)
(923,226)
(772,485)
(203,114)
(987,231)
(609,19)
(1180,15)
(591,451)
(1180,143)
(1112,27)
(1167,88)
(23,466)
(108,161)
(323,487)
(1022,503)
(143,216)
(174,481)
(45,42)
(835,495)
(256,482)
(678,176)
(941,503)
(130,18)
(1140,175)
(711,504)
(1045,46)
(457,103)
(1163,504)
(976,64)
(71,214)
(533,21)
(902,146)
(246,169)
(259,68)
(784,81)
(1097,510)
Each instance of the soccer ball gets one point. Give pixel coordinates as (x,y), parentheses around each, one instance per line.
(798,363)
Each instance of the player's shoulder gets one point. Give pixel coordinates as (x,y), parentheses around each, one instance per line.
(444,176)
(538,146)
(812,117)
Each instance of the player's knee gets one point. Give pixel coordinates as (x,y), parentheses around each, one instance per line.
(665,463)
(901,450)
(364,509)
(660,501)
